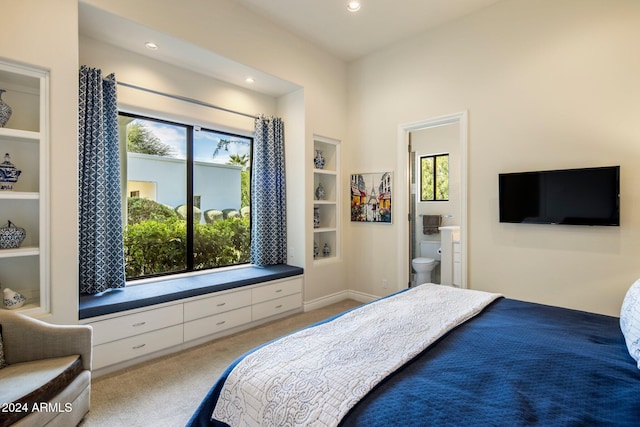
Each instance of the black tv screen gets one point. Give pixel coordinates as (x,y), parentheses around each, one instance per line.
(588,196)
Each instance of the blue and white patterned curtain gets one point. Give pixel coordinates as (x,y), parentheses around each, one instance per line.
(268,195)
(101,240)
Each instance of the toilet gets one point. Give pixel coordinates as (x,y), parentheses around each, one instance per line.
(429,258)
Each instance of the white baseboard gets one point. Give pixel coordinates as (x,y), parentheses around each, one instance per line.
(337,297)
(362,297)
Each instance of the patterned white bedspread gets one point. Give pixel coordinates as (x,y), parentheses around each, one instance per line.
(315,376)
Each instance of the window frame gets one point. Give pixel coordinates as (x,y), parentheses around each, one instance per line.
(190,162)
(434,175)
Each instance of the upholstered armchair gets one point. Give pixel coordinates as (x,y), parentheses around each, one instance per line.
(46,379)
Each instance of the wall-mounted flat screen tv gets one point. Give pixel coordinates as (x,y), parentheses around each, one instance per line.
(588,196)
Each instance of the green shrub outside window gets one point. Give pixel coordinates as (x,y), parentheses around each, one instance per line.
(157,237)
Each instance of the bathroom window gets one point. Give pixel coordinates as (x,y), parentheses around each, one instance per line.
(434,178)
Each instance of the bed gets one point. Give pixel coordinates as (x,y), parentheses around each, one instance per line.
(506,362)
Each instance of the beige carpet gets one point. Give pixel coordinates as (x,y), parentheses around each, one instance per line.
(166,391)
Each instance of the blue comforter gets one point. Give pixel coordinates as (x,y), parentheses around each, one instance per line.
(516,363)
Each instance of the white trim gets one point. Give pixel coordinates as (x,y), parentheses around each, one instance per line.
(338,297)
(362,297)
(325,301)
(401,198)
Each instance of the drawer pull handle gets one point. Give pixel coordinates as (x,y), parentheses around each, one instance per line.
(135,325)
(137,346)
(279,306)
(221,323)
(221,304)
(279,290)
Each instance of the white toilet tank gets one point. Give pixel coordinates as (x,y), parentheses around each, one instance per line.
(430,249)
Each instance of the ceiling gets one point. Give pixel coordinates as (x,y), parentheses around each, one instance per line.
(377,24)
(98,24)
(325,23)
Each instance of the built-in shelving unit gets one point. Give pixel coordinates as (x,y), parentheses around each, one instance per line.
(327,231)
(25,138)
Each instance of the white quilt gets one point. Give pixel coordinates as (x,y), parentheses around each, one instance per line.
(315,376)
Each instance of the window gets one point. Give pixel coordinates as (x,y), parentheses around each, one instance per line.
(188,196)
(434,178)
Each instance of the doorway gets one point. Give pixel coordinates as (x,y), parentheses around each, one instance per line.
(431,137)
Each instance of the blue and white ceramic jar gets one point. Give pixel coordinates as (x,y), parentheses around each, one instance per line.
(5,110)
(320,194)
(326,250)
(13,299)
(318,160)
(8,173)
(316,217)
(11,237)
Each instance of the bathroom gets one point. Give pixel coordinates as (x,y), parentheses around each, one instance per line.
(435,212)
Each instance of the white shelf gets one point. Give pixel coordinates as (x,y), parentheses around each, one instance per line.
(18,252)
(19,195)
(325,172)
(27,307)
(25,138)
(26,135)
(320,260)
(328,208)
(324,230)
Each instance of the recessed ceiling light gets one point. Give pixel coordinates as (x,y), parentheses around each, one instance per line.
(353,6)
(151,45)
(250,80)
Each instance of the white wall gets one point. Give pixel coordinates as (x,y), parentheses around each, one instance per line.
(45,34)
(547,84)
(291,106)
(218,185)
(153,74)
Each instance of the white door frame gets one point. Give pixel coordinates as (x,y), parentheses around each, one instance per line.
(402,191)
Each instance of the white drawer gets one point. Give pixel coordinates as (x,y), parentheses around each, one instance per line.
(129,348)
(135,324)
(213,324)
(276,306)
(218,304)
(276,290)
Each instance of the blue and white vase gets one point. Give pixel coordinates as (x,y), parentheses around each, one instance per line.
(316,217)
(318,160)
(326,250)
(8,173)
(13,299)
(5,110)
(316,249)
(320,194)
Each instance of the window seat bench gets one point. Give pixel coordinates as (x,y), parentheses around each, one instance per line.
(137,323)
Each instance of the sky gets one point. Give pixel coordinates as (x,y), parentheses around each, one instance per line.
(205,142)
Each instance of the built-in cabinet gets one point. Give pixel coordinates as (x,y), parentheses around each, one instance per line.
(123,337)
(25,138)
(326,199)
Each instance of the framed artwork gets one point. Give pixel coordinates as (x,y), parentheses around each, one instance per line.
(371,195)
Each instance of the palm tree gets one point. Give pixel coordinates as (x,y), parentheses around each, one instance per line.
(239,160)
